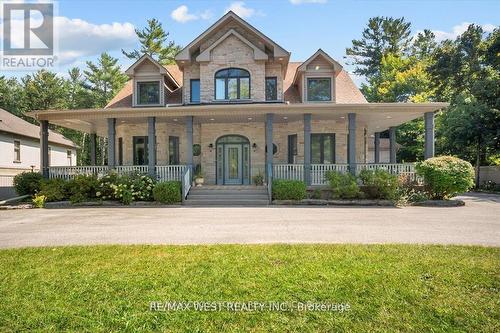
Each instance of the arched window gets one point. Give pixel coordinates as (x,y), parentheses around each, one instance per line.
(231,84)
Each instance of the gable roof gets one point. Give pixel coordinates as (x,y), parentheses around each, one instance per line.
(124,97)
(319,53)
(257,53)
(184,54)
(147,57)
(10,123)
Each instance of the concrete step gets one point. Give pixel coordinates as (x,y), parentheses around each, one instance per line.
(225,202)
(238,196)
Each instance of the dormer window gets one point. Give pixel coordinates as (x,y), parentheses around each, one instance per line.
(232,84)
(148,93)
(319,89)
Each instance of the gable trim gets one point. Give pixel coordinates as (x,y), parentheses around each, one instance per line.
(258,54)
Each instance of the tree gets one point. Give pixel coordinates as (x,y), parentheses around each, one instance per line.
(79,96)
(42,91)
(104,78)
(153,40)
(382,35)
(10,91)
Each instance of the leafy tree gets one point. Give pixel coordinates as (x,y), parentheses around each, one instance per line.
(104,78)
(381,36)
(154,42)
(10,91)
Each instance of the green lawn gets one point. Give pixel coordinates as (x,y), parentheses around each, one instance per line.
(388,287)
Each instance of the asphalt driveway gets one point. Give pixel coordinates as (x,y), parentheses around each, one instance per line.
(478,223)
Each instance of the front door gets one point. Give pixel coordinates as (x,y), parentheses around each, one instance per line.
(233,166)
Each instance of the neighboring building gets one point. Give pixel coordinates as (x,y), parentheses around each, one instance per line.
(236,105)
(20,149)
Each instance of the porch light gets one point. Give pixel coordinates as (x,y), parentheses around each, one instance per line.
(250,118)
(285,118)
(211,147)
(212,119)
(254,147)
(317,67)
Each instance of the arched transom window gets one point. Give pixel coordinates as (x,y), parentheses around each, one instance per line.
(232,84)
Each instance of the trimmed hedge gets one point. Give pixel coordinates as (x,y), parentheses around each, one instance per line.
(446,176)
(27,183)
(54,189)
(82,188)
(168,192)
(289,189)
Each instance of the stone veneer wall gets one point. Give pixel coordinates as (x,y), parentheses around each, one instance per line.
(204,134)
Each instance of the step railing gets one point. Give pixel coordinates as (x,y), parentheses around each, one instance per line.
(186,183)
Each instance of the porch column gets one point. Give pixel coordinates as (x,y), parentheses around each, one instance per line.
(392,144)
(152,146)
(429,135)
(44,148)
(376,158)
(307,148)
(351,144)
(93,151)
(189,141)
(111,142)
(269,146)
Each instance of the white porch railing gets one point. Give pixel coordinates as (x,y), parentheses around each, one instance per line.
(67,172)
(318,171)
(288,171)
(163,172)
(169,172)
(121,169)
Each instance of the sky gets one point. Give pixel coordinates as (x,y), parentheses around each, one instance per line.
(87,28)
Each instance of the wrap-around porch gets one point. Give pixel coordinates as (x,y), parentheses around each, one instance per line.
(263,129)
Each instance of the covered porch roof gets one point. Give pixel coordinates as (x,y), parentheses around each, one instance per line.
(375,117)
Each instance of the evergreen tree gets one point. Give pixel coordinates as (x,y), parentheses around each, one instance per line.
(105,78)
(154,42)
(382,35)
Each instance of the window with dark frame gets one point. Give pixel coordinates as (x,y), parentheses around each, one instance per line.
(69,157)
(319,89)
(232,84)
(148,93)
(195,90)
(140,145)
(173,150)
(323,148)
(17,151)
(271,88)
(120,151)
(292,149)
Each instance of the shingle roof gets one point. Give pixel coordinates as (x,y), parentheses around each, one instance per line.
(346,90)
(12,124)
(124,97)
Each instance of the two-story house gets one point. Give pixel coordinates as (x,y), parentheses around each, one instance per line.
(235,104)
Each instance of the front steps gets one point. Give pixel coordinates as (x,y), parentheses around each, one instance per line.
(216,195)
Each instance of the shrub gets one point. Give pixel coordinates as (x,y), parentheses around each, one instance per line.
(379,184)
(344,185)
(27,183)
(288,189)
(167,192)
(446,176)
(82,188)
(38,201)
(125,188)
(54,189)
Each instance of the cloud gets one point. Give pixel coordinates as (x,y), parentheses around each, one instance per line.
(78,38)
(300,2)
(458,30)
(181,14)
(238,7)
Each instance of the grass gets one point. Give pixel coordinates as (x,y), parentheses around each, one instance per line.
(405,288)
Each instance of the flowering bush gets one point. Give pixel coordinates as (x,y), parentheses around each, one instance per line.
(126,188)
